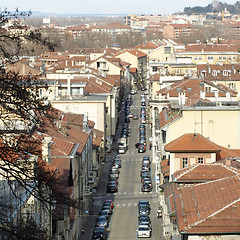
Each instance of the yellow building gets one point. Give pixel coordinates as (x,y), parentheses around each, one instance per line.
(210,53)
(137,59)
(220,124)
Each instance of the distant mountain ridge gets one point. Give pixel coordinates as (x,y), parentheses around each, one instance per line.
(216,6)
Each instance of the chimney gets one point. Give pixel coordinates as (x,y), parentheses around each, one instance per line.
(85,122)
(69,85)
(228,162)
(46,149)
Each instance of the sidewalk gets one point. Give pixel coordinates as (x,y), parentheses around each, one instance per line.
(100,193)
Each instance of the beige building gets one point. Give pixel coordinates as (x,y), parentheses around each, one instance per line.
(137,59)
(220,124)
(210,54)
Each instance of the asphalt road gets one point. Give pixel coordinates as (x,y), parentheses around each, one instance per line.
(124,220)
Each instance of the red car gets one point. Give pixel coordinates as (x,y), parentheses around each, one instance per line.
(109,202)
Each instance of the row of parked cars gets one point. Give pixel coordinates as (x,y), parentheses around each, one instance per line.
(127,108)
(144,222)
(102,221)
(145,175)
(112,186)
(142,139)
(143,118)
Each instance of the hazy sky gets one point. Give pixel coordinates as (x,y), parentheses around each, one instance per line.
(105,6)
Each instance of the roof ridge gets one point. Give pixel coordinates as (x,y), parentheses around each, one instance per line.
(191,167)
(215,213)
(218,180)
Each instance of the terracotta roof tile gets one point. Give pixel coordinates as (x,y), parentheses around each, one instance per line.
(204,172)
(192,142)
(203,208)
(211,48)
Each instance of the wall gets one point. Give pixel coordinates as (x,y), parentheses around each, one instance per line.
(221,126)
(96,110)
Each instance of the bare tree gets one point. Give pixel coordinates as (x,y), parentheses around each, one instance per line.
(23,173)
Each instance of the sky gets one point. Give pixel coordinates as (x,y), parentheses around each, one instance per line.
(105,6)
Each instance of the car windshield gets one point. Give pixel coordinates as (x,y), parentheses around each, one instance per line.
(143,229)
(99,230)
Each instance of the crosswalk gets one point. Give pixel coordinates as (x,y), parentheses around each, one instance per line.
(131,193)
(118,205)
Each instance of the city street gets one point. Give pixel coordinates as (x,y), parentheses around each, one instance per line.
(124,220)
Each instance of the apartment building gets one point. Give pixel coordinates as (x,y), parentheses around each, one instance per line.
(210,53)
(174,31)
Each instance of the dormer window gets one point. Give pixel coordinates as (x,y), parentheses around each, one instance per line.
(225,72)
(214,73)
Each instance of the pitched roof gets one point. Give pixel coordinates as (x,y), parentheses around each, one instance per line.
(135,52)
(148,45)
(219,72)
(211,48)
(192,142)
(192,89)
(204,172)
(211,207)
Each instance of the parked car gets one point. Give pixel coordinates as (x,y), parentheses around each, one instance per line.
(144,172)
(113,179)
(112,187)
(130,115)
(107,208)
(99,233)
(133,91)
(104,213)
(143,210)
(117,163)
(149,182)
(146,188)
(146,160)
(143,202)
(101,221)
(144,217)
(109,202)
(135,116)
(144,231)
(141,148)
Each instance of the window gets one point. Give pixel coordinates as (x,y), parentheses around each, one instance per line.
(224,58)
(200,160)
(210,58)
(207,89)
(220,57)
(225,72)
(214,73)
(232,86)
(167,50)
(154,69)
(200,58)
(185,162)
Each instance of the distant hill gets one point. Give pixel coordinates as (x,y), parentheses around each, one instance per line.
(216,6)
